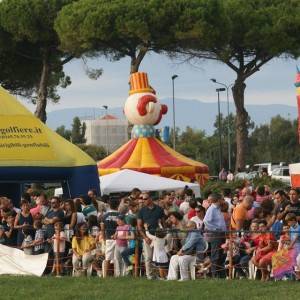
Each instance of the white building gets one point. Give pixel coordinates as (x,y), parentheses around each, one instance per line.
(108,132)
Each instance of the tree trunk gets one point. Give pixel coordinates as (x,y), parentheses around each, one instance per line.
(136,60)
(41,105)
(241,123)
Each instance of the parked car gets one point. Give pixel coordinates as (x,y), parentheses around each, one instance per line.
(282,173)
(245,175)
(267,166)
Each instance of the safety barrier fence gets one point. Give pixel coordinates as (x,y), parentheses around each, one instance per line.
(231,237)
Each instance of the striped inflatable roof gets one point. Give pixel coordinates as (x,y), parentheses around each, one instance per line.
(150,155)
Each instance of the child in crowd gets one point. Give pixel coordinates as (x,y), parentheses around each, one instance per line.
(284,240)
(160,257)
(58,241)
(121,237)
(235,252)
(130,250)
(291,220)
(39,238)
(99,254)
(93,226)
(27,241)
(11,232)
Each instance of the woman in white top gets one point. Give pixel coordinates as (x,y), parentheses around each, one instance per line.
(198,219)
(160,257)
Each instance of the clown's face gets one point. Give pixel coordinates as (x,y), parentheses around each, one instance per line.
(143,109)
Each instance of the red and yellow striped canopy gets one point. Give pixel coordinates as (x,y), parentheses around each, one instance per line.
(149,155)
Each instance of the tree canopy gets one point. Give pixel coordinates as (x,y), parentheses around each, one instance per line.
(244,35)
(119,28)
(78,131)
(30,25)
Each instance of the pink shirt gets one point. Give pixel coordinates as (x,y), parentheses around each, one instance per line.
(121,233)
(35,211)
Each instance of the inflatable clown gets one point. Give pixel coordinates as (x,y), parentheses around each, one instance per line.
(144,152)
(142,107)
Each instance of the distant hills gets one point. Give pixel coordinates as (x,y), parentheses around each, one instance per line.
(193,113)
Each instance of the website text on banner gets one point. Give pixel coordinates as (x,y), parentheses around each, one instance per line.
(25,137)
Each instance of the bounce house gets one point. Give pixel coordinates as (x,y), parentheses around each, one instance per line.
(30,152)
(144,152)
(295,168)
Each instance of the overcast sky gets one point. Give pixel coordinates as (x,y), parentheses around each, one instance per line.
(274,84)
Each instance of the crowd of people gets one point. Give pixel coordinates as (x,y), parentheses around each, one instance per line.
(167,236)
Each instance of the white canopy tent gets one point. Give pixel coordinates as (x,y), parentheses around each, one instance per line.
(126,180)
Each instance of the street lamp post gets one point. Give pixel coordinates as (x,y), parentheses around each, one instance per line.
(106,129)
(219,125)
(227,87)
(174,125)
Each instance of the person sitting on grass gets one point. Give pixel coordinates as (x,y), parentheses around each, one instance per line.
(82,244)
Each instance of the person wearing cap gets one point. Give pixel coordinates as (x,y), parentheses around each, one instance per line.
(121,237)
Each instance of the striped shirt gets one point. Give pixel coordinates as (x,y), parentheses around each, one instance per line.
(39,235)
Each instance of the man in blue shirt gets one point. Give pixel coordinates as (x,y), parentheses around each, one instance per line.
(215,228)
(193,246)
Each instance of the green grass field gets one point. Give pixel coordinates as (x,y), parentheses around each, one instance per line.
(116,289)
